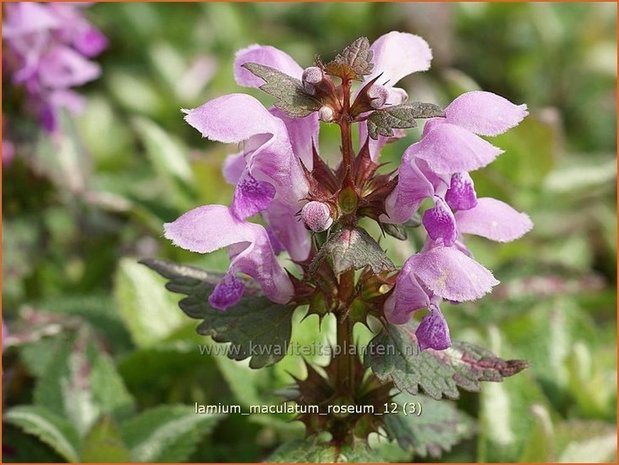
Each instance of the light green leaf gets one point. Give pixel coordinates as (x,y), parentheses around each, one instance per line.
(103,443)
(166,434)
(144,304)
(48,427)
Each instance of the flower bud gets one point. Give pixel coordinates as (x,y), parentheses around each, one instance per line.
(311,77)
(378,96)
(316,216)
(399,96)
(326,114)
(461,193)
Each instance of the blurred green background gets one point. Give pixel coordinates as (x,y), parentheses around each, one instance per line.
(102,366)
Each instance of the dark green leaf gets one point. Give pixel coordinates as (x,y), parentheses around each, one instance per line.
(168,433)
(48,427)
(437,427)
(288,91)
(103,443)
(256,327)
(354,62)
(383,122)
(352,249)
(394,355)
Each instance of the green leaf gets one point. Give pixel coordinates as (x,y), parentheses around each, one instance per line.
(586,441)
(288,91)
(435,429)
(383,122)
(352,249)
(48,427)
(103,443)
(395,230)
(354,62)
(168,433)
(144,305)
(394,355)
(256,327)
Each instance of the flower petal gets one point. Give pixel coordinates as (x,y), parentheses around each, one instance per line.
(233,168)
(494,220)
(63,67)
(448,148)
(412,188)
(452,275)
(407,297)
(484,113)
(263,55)
(461,194)
(227,293)
(208,228)
(251,196)
(288,229)
(440,223)
(258,260)
(398,54)
(433,332)
(303,133)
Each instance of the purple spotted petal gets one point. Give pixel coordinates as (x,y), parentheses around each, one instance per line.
(263,55)
(448,148)
(452,275)
(440,223)
(461,194)
(484,113)
(398,54)
(251,196)
(433,332)
(494,220)
(407,297)
(227,293)
(412,188)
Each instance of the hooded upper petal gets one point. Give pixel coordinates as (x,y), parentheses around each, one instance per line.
(269,154)
(484,113)
(398,54)
(451,274)
(494,220)
(448,148)
(263,55)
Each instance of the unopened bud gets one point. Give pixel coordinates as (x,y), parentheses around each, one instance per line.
(326,113)
(311,77)
(378,96)
(317,216)
(399,96)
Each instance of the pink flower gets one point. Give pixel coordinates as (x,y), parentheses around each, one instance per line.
(48,48)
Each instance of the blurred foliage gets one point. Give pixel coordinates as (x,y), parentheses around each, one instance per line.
(100,365)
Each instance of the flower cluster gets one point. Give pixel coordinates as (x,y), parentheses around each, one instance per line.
(48,51)
(279,174)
